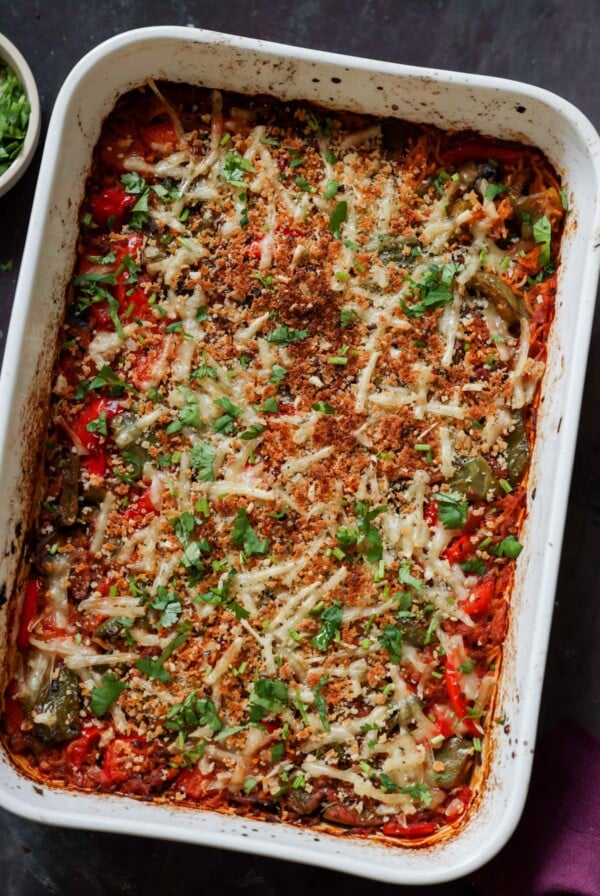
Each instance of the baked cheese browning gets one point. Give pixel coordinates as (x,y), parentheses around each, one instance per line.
(286,462)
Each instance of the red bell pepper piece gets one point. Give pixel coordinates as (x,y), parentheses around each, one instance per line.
(129,246)
(96,462)
(120,756)
(112,203)
(161,136)
(193,783)
(480,597)
(140,508)
(459,549)
(91,411)
(464,794)
(480,151)
(457,698)
(78,750)
(31,602)
(254,250)
(445,719)
(431,514)
(414,829)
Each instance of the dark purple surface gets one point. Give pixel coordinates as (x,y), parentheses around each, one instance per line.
(550,43)
(556,848)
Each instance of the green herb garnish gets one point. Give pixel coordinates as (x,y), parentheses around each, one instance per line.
(14,117)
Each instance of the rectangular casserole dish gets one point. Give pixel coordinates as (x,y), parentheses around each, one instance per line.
(500,109)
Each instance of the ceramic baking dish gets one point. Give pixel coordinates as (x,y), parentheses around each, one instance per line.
(454,101)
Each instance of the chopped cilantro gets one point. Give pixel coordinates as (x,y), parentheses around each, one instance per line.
(220,595)
(226,421)
(234,168)
(202,458)
(331,189)
(348,316)
(418,792)
(267,696)
(331,621)
(435,289)
(278,374)
(321,704)
(188,415)
(542,233)
(323,407)
(192,713)
(475,566)
(391,640)
(493,190)
(452,510)
(253,433)
(105,694)
(406,578)
(14,117)
(155,668)
(337,218)
(98,425)
(243,536)
(286,335)
(508,547)
(169,604)
(304,185)
(184,525)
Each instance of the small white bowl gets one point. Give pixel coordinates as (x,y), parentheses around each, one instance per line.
(12,57)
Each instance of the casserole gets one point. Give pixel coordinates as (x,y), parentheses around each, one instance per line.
(290,74)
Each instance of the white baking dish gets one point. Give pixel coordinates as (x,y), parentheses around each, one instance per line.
(498,108)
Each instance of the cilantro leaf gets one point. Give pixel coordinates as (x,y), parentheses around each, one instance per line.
(391,640)
(337,218)
(435,289)
(98,425)
(220,596)
(253,433)
(134,183)
(106,693)
(452,510)
(234,168)
(154,668)
(226,421)
(475,566)
(493,190)
(406,578)
(369,539)
(348,316)
(331,189)
(323,407)
(508,547)
(418,792)
(202,458)
(321,704)
(278,374)
(192,713)
(243,536)
(184,525)
(542,233)
(285,335)
(271,405)
(331,623)
(267,696)
(168,602)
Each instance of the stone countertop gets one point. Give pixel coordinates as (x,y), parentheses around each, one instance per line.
(549,43)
